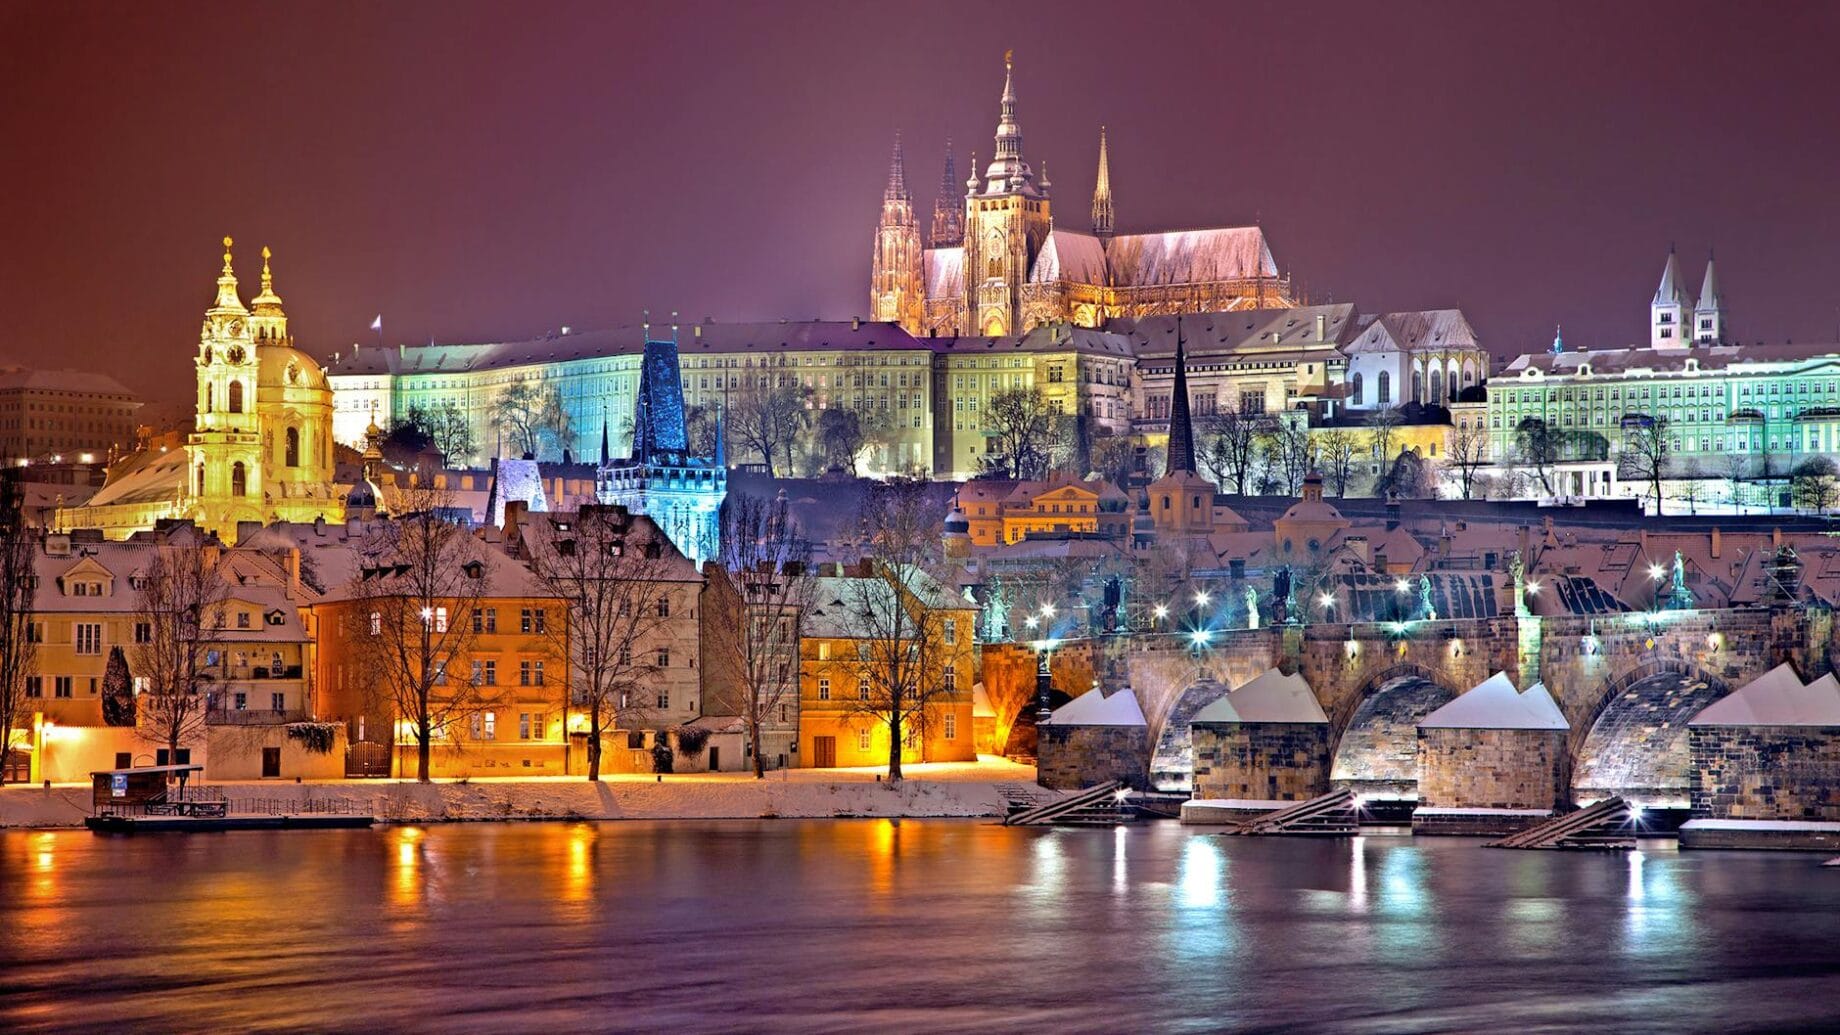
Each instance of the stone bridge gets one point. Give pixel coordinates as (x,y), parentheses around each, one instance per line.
(1627,683)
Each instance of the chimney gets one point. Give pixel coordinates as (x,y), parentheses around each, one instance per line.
(1322,326)
(293,569)
(856,323)
(1718,545)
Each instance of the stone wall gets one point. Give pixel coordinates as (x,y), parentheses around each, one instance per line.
(1270,761)
(1377,753)
(1490,769)
(1072,757)
(1766,772)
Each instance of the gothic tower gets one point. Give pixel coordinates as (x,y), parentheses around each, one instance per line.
(1667,327)
(948,208)
(896,291)
(224,451)
(1709,314)
(1102,195)
(1006,223)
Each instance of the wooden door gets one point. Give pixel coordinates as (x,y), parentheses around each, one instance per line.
(271,762)
(824,752)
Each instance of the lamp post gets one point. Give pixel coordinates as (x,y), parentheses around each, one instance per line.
(1044,679)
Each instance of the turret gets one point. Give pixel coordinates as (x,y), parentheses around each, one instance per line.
(1709,314)
(1667,325)
(896,292)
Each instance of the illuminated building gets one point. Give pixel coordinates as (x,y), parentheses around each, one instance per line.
(1727,409)
(1005,269)
(261,445)
(65,414)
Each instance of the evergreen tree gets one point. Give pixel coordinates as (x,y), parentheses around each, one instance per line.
(117,690)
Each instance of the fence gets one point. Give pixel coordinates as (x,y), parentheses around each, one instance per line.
(300,807)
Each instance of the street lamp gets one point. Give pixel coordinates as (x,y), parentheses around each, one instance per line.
(1201,597)
(1044,678)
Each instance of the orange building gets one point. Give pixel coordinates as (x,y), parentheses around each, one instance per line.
(843,708)
(1002,511)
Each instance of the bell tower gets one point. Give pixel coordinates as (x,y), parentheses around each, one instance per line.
(224,454)
(896,293)
(1007,222)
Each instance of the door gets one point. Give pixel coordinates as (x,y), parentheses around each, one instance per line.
(824,752)
(715,759)
(271,762)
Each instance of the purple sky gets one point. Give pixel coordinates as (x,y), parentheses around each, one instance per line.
(486,171)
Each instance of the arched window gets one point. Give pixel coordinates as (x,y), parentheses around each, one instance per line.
(1354,390)
(1386,388)
(293,448)
(239,479)
(1437,385)
(1418,386)
(201,479)
(208,392)
(236,397)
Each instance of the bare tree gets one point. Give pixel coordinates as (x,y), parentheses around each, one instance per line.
(532,414)
(181,603)
(766,421)
(1288,455)
(18,584)
(1031,437)
(1382,428)
(1538,446)
(903,620)
(841,438)
(1229,447)
(1646,456)
(1467,453)
(448,430)
(419,578)
(769,563)
(614,570)
(1815,484)
(1337,449)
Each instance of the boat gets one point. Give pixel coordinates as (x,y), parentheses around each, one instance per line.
(161,798)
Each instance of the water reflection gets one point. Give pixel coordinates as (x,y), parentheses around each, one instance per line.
(877,925)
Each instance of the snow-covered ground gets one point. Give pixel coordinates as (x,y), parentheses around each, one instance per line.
(930,789)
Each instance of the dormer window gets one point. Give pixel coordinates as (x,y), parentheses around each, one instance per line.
(473,569)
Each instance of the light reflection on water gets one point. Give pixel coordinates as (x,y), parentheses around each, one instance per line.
(885,925)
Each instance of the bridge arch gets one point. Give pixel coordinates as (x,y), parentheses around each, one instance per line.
(1374,733)
(1634,742)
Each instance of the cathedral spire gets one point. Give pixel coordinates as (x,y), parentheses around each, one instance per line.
(897,174)
(1709,314)
(1102,194)
(1669,293)
(606,455)
(1008,173)
(1181,429)
(948,207)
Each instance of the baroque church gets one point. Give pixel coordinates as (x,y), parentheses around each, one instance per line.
(994,263)
(261,446)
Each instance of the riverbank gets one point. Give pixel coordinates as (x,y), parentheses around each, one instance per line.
(931,790)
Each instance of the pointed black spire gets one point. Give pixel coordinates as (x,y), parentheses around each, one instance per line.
(1181,428)
(605,457)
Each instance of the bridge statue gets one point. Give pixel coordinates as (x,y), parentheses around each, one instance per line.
(1680,598)
(1426,610)
(1252,607)
(1281,597)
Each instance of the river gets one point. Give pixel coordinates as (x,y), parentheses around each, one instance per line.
(865,925)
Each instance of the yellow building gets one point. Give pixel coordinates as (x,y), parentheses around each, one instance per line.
(843,708)
(261,445)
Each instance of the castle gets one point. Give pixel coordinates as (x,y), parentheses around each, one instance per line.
(261,446)
(999,266)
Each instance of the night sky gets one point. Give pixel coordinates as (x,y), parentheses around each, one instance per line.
(476,172)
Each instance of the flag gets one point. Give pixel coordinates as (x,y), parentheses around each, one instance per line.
(377,324)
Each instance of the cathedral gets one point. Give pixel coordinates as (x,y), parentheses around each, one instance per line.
(261,447)
(995,264)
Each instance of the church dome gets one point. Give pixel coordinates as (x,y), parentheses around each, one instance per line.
(957,523)
(284,366)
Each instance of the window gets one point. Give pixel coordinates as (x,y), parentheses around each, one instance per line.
(241,701)
(862,689)
(949,679)
(523,673)
(824,652)
(236,400)
(35,686)
(537,673)
(664,607)
(440,619)
(485,726)
(242,619)
(89,637)
(524,725)
(485,619)
(1386,388)
(485,673)
(292,458)
(542,620)
(862,739)
(61,686)
(376,623)
(625,656)
(951,726)
(824,689)
(239,479)
(664,657)
(525,620)
(664,698)
(951,630)
(35,632)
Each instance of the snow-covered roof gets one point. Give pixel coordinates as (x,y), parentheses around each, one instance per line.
(945,272)
(1190,257)
(1776,698)
(1493,704)
(1094,708)
(1271,696)
(1069,256)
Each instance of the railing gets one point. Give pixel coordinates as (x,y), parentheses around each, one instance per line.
(253,716)
(299,807)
